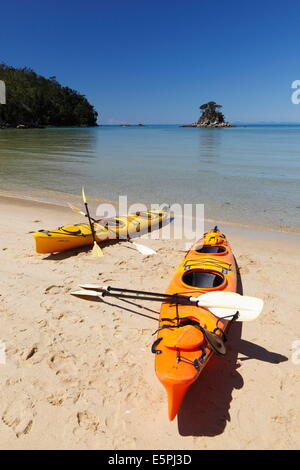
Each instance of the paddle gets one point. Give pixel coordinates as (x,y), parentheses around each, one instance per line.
(144,250)
(221,304)
(133,291)
(96,251)
(79,211)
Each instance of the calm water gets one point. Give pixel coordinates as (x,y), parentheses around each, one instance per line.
(248,175)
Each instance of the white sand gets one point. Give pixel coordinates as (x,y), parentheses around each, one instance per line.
(80,374)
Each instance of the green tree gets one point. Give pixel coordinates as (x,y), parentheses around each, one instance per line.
(210,115)
(33,101)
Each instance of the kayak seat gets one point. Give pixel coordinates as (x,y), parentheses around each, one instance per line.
(71,229)
(202,278)
(187,338)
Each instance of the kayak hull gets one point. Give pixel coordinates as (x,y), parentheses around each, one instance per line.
(182,352)
(118,228)
(175,392)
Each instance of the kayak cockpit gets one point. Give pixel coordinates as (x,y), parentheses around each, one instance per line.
(203,279)
(212,249)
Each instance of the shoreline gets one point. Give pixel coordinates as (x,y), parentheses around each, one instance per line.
(21,127)
(29,201)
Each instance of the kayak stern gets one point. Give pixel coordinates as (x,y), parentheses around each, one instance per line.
(176,393)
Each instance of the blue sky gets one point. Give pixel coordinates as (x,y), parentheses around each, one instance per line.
(157,61)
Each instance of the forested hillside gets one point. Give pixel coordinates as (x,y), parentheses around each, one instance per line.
(35,101)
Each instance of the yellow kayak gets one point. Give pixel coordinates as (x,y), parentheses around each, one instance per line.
(74,236)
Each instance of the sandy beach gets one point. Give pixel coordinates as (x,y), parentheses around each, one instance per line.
(79,374)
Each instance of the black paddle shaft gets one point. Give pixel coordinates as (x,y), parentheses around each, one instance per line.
(144,292)
(90,221)
(176,300)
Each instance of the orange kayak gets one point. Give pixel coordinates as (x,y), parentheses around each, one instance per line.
(182,350)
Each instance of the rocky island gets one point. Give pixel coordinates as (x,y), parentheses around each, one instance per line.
(210,117)
(33,101)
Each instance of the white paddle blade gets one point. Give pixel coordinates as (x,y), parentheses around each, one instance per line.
(244,315)
(75,209)
(144,250)
(96,251)
(93,287)
(227,300)
(223,304)
(83,195)
(86,293)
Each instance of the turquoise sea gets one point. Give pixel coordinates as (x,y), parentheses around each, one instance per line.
(247,175)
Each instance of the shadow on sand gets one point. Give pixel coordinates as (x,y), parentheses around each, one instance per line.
(205,410)
(122,306)
(82,249)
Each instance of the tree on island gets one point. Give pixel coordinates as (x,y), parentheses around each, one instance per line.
(210,115)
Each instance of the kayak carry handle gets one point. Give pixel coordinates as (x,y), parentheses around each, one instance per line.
(153,347)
